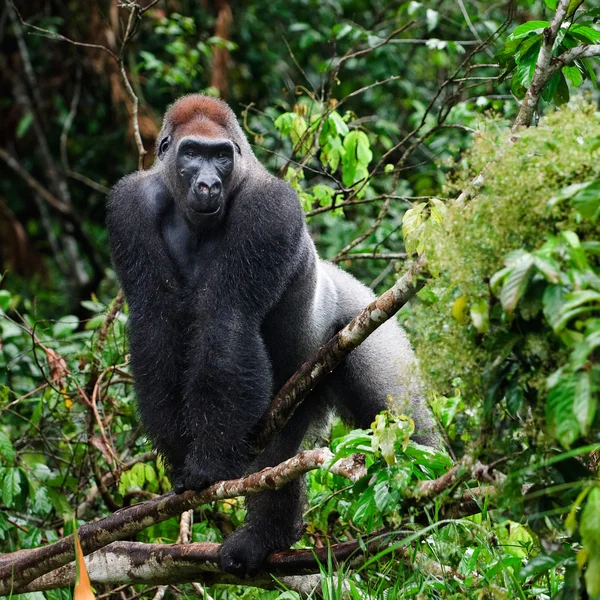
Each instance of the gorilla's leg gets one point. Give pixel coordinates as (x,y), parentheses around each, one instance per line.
(274,519)
(381,374)
(156,362)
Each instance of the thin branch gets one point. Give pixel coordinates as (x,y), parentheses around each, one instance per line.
(392,35)
(57,36)
(372,256)
(334,206)
(542,71)
(355,242)
(34,184)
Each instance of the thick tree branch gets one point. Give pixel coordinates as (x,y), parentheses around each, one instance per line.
(20,568)
(329,356)
(163,564)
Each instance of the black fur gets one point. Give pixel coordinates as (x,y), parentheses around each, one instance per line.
(222,311)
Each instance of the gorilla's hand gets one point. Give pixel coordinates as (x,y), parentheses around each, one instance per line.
(244,552)
(198,475)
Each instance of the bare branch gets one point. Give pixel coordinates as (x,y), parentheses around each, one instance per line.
(355,242)
(33,183)
(372,256)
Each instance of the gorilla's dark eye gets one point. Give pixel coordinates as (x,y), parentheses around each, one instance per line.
(164,146)
(190,154)
(222,155)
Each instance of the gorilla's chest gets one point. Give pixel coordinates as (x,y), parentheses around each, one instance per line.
(193,255)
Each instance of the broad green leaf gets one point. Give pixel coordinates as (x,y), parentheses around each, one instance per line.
(339,125)
(542,563)
(589,529)
(584,404)
(553,301)
(573,74)
(525,28)
(4,300)
(65,326)
(514,399)
(11,486)
(560,417)
(285,122)
(41,503)
(585,33)
(562,94)
(517,279)
(551,87)
(7,450)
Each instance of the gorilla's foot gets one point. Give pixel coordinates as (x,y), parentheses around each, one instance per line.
(244,552)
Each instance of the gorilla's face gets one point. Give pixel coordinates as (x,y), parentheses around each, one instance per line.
(202,169)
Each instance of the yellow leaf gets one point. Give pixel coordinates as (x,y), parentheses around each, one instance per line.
(83,587)
(581,557)
(459,309)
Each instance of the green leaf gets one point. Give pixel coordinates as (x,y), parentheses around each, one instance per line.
(552,301)
(24,124)
(586,34)
(514,399)
(41,503)
(11,486)
(551,87)
(284,122)
(526,64)
(515,284)
(65,326)
(525,28)
(584,404)
(542,563)
(562,91)
(339,126)
(573,74)
(480,315)
(560,417)
(4,300)
(7,450)
(551,4)
(589,529)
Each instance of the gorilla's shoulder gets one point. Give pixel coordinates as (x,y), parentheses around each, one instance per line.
(142,189)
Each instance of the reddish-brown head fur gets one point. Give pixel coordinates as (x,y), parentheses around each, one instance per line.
(199,115)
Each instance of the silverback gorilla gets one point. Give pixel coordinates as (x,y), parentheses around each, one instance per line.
(227,298)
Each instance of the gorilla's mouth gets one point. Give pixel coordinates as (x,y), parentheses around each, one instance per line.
(204,212)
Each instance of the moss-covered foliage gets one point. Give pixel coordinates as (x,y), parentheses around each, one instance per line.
(487,338)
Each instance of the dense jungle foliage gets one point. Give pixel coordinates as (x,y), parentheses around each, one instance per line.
(392,120)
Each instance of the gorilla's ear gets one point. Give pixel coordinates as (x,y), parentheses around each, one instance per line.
(237,147)
(164,146)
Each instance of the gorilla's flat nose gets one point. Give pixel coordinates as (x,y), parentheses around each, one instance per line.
(208,190)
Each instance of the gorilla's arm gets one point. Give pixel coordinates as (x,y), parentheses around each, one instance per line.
(135,208)
(230,380)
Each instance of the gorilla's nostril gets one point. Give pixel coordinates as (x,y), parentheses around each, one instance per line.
(215,190)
